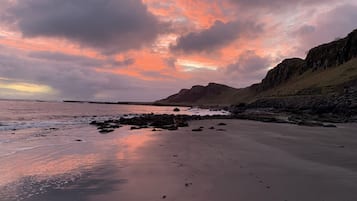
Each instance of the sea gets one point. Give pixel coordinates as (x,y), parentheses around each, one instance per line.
(17,115)
(49,147)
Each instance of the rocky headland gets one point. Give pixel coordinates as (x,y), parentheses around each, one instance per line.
(322,88)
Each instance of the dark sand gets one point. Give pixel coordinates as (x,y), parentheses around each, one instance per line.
(245,161)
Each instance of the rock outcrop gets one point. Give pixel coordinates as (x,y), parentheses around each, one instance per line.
(332,54)
(200,95)
(325,83)
(282,73)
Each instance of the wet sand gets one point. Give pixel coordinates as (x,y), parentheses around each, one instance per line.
(243,160)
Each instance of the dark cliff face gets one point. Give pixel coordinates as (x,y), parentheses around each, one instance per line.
(282,78)
(332,54)
(281,73)
(319,58)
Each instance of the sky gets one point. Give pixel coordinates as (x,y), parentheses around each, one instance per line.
(145,50)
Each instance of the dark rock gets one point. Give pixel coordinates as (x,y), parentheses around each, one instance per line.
(105,131)
(181,123)
(197,129)
(176,109)
(211,127)
(334,53)
(135,121)
(329,126)
(164,197)
(138,127)
(188,184)
(170,127)
(93,123)
(78,140)
(282,73)
(222,124)
(310,123)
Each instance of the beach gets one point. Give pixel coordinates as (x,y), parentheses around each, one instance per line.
(242,160)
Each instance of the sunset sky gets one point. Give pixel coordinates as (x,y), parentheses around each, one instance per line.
(132,50)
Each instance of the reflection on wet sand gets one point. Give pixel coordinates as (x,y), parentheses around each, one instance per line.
(45,169)
(129,144)
(22,178)
(79,170)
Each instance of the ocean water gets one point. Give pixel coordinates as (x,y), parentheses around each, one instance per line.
(17,115)
(49,148)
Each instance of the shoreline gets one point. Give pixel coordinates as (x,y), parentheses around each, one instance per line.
(174,122)
(238,160)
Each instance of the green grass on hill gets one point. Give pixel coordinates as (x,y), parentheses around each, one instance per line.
(317,82)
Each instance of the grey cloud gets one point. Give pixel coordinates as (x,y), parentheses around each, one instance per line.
(250,67)
(217,36)
(124,62)
(171,62)
(304,30)
(278,4)
(109,25)
(81,60)
(74,80)
(61,57)
(330,25)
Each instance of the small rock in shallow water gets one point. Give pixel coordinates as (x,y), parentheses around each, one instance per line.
(211,127)
(105,131)
(222,124)
(197,129)
(329,126)
(176,110)
(188,184)
(164,196)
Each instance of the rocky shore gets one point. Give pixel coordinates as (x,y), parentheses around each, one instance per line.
(174,122)
(155,121)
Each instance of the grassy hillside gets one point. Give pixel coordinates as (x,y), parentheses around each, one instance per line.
(326,70)
(322,81)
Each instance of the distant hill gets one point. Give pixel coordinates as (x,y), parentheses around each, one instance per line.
(329,70)
(202,95)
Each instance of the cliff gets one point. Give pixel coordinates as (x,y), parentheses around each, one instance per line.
(282,73)
(332,54)
(326,77)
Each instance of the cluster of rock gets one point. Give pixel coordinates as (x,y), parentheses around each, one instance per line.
(107,126)
(155,121)
(336,108)
(271,115)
